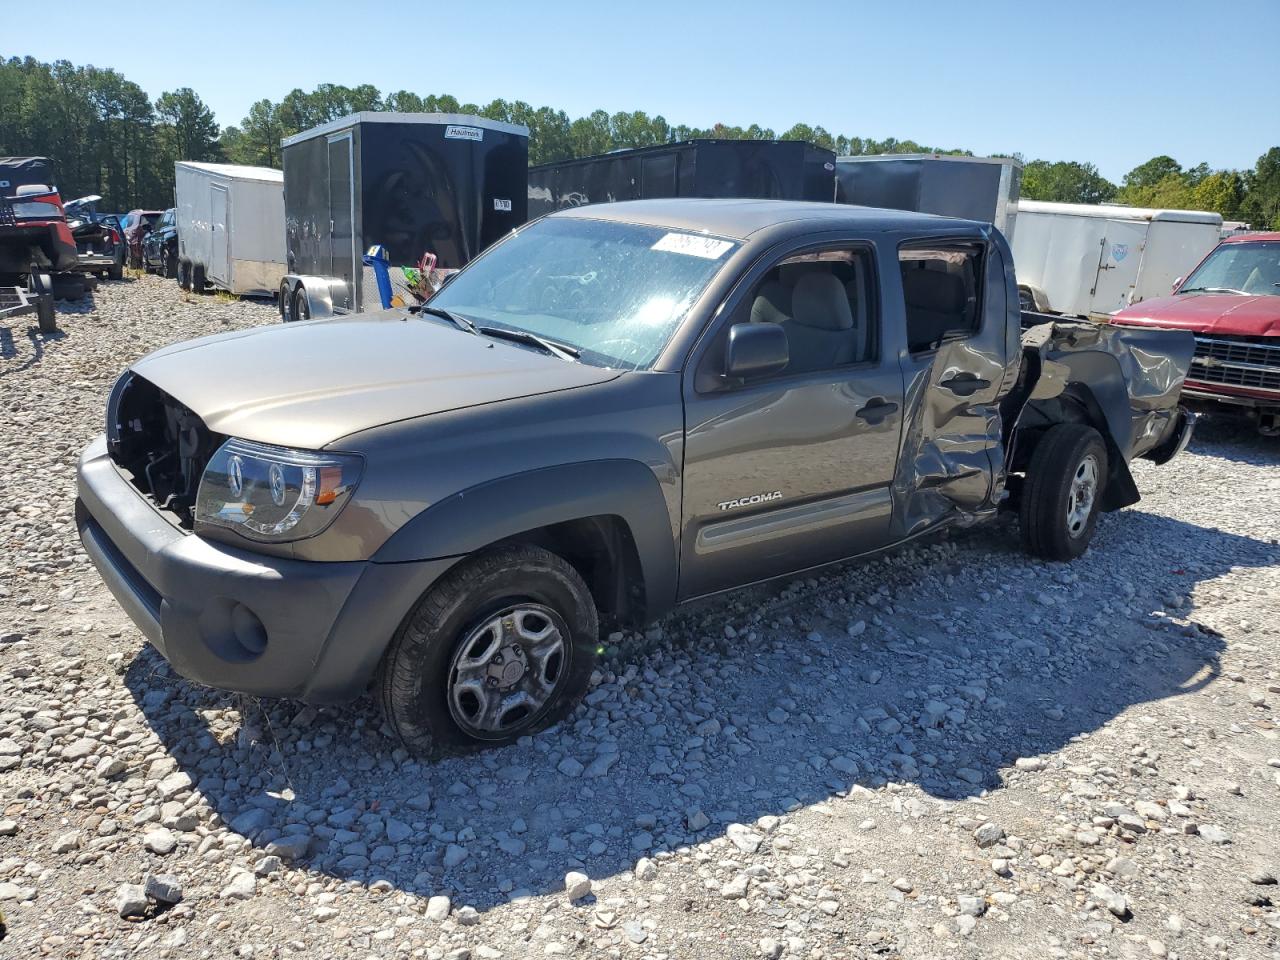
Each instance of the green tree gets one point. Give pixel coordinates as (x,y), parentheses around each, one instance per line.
(1260,205)
(1065,181)
(257,140)
(195,132)
(1152,172)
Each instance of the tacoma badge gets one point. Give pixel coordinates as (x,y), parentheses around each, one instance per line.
(750,501)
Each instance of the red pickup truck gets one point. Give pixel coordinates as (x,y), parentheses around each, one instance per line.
(1231,302)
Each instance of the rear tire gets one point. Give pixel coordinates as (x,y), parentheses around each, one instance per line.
(198,281)
(446,662)
(116,271)
(301,305)
(1063,491)
(184,273)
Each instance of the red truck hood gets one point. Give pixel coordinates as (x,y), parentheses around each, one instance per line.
(1221,313)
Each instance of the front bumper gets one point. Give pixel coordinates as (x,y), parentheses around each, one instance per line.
(236,619)
(1228,394)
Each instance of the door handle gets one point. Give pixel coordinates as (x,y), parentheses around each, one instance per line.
(965,384)
(876,410)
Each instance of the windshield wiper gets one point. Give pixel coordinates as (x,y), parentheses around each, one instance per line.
(457,319)
(561,350)
(1212,290)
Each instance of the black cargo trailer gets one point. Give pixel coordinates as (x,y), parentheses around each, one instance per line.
(414,183)
(778,169)
(972,188)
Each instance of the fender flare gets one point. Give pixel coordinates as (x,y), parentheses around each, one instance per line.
(1096,382)
(505,508)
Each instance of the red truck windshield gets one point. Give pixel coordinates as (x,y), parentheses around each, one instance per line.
(1249,269)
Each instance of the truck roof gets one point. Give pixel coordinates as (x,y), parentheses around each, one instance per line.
(390,116)
(1109,211)
(739,219)
(1272,236)
(235,171)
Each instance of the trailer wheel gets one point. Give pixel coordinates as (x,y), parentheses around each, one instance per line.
(198,281)
(283,304)
(184,273)
(40,285)
(301,306)
(1063,491)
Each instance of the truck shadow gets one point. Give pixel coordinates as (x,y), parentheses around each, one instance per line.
(799,707)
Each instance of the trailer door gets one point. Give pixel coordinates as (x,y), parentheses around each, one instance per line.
(219,235)
(342,251)
(1119,261)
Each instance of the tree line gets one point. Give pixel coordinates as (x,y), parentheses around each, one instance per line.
(109,138)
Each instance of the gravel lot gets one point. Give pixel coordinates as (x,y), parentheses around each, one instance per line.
(949,752)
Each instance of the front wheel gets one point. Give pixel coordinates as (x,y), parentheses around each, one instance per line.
(1063,491)
(500,648)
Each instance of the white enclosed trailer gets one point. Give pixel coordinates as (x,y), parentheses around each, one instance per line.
(1092,260)
(230,227)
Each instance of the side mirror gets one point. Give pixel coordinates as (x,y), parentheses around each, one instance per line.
(1177,283)
(755,350)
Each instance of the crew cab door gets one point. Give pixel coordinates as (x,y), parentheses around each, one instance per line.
(792,469)
(956,309)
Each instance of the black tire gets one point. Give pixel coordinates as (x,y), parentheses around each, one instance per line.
(184,273)
(283,304)
(416,676)
(198,281)
(1056,524)
(170,264)
(40,286)
(46,315)
(116,271)
(301,306)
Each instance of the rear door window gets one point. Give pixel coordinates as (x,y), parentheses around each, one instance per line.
(941,289)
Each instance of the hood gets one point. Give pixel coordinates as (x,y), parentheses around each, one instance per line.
(1227,314)
(311,383)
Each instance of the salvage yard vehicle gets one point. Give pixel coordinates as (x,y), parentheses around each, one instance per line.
(615,409)
(160,246)
(99,239)
(137,224)
(1090,260)
(36,245)
(230,227)
(1231,303)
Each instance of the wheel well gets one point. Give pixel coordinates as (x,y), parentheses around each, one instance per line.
(604,553)
(1076,404)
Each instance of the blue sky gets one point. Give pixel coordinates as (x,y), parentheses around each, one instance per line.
(1114,83)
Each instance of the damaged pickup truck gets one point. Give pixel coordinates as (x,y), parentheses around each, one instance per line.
(615,409)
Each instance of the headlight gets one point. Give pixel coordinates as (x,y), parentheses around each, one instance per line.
(275,494)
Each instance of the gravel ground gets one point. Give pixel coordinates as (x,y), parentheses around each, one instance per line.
(949,752)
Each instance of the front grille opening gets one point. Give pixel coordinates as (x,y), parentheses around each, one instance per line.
(1238,362)
(160,446)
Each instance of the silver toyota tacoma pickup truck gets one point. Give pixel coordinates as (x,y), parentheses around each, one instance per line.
(616,409)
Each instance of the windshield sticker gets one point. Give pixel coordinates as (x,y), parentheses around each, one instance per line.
(691,245)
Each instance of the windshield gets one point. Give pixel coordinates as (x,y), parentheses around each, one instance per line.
(1249,268)
(614,292)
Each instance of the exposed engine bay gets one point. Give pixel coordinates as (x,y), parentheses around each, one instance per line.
(160,445)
